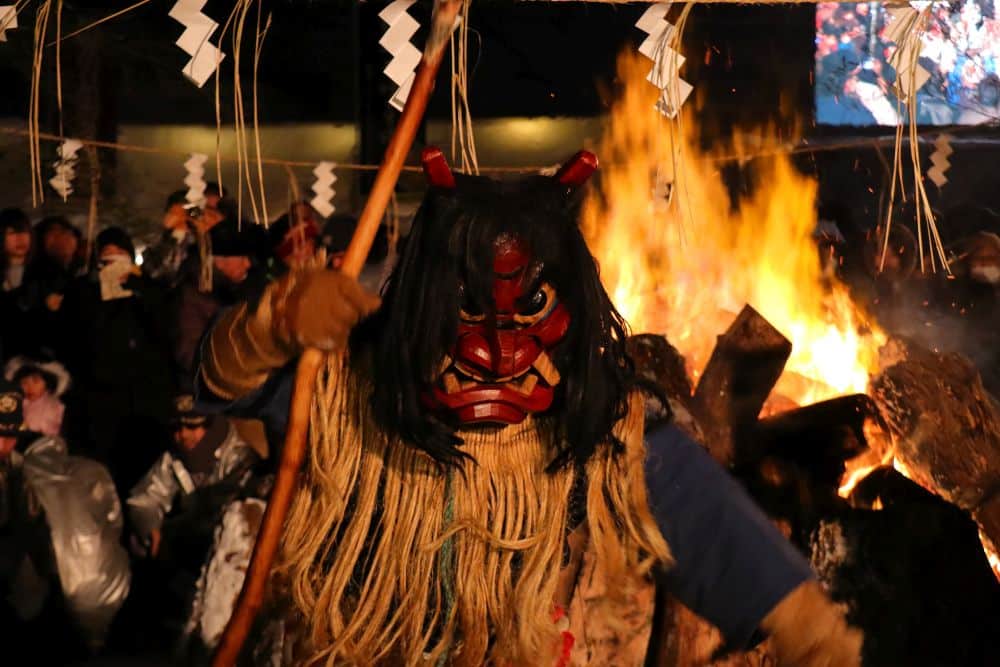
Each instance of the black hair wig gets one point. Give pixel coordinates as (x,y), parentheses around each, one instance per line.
(448,258)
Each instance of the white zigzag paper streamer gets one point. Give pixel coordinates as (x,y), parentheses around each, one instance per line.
(903,16)
(65,167)
(939,160)
(323,187)
(198,29)
(666,61)
(405,56)
(8,20)
(195,180)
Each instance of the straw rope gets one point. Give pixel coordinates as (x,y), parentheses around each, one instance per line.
(218,99)
(59,99)
(41,25)
(258,46)
(674,40)
(463,141)
(109,17)
(787,149)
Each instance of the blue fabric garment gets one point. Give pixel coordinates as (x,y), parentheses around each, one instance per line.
(732,565)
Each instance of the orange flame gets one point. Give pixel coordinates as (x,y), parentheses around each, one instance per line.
(684,267)
(991,553)
(880,454)
(678,259)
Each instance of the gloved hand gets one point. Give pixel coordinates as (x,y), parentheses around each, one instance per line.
(322,308)
(308,307)
(809,630)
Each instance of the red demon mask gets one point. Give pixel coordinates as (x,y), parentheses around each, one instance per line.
(500,369)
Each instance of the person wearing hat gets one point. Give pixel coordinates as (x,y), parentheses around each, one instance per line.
(176,508)
(12,426)
(117,348)
(207,451)
(43,383)
(233,278)
(60,530)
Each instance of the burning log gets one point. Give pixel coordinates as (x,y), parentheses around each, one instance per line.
(946,427)
(793,462)
(747,361)
(816,434)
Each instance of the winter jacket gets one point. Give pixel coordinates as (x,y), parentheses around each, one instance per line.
(169,480)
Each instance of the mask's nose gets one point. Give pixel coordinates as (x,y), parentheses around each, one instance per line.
(502,340)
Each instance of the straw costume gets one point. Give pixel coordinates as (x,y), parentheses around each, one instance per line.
(478,457)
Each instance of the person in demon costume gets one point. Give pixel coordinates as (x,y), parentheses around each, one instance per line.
(481,445)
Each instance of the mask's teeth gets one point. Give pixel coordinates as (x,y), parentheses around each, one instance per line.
(547,369)
(445,364)
(451,383)
(528,386)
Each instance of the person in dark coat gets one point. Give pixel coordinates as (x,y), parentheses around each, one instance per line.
(120,354)
(19,297)
(233,279)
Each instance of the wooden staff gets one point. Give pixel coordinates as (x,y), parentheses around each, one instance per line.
(293,453)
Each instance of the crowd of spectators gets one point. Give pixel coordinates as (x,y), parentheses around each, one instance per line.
(855,76)
(99,346)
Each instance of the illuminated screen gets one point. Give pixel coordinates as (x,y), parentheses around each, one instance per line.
(960,52)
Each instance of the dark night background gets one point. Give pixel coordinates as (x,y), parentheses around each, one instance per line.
(321,62)
(526,58)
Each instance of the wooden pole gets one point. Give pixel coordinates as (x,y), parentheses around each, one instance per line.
(293,453)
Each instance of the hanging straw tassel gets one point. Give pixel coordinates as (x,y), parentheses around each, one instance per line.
(268,539)
(258,47)
(463,141)
(41,26)
(909,42)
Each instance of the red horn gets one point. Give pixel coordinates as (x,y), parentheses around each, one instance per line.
(577,169)
(436,168)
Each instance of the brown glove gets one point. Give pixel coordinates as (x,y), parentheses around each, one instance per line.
(310,307)
(321,309)
(809,630)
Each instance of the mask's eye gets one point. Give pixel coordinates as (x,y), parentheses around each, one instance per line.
(469,310)
(536,303)
(537,306)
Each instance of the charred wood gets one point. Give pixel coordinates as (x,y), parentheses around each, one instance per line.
(747,361)
(820,436)
(946,427)
(913,576)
